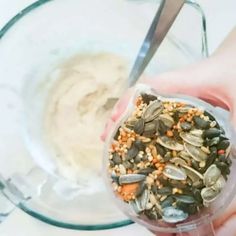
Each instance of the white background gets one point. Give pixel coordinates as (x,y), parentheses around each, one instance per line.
(221,18)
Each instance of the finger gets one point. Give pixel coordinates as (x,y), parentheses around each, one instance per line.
(107,129)
(228,228)
(230,210)
(121,105)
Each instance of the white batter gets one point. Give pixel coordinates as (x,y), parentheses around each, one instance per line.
(76,111)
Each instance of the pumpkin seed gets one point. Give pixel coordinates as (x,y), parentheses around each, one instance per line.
(196,153)
(174,172)
(192,139)
(170,143)
(211,175)
(174,215)
(139,126)
(152,111)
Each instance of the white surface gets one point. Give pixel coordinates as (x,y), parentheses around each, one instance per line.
(221,18)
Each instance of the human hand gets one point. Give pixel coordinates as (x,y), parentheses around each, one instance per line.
(211,80)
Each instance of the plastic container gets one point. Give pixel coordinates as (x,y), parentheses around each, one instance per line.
(201,223)
(32,44)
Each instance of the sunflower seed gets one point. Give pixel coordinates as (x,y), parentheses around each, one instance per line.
(211,175)
(167,120)
(193,174)
(174,172)
(196,153)
(161,128)
(174,215)
(147,98)
(152,111)
(140,145)
(219,184)
(213,141)
(132,152)
(139,126)
(191,139)
(209,194)
(143,200)
(131,178)
(136,206)
(149,129)
(142,186)
(184,198)
(178,161)
(170,143)
(146,171)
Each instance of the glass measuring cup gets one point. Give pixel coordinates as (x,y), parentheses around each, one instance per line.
(32,44)
(201,222)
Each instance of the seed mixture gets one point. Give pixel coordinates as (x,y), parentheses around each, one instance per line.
(168,159)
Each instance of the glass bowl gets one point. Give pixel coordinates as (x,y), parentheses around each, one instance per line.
(201,222)
(33,44)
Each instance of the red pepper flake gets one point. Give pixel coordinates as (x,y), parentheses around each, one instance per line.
(221,152)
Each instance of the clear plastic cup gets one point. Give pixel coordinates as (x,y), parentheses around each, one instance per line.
(201,223)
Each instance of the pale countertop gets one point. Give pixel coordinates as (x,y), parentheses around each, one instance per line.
(221,18)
